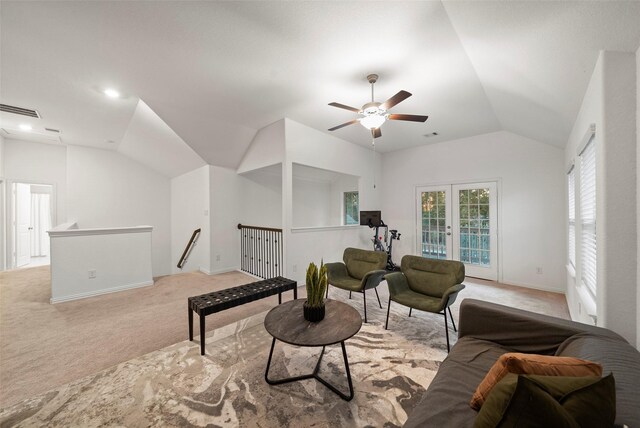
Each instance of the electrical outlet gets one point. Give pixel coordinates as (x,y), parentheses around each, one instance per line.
(295,268)
(218,257)
(92,274)
(539,270)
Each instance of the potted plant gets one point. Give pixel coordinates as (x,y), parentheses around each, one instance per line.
(316,283)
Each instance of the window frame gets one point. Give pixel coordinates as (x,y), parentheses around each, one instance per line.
(345,204)
(587,156)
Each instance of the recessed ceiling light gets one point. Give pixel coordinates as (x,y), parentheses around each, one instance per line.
(112,93)
(25,127)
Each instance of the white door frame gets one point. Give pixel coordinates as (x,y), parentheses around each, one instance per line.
(10,214)
(417,211)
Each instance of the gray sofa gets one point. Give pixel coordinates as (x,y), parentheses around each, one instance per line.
(487,330)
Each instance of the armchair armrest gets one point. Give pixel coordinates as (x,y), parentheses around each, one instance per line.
(450,295)
(520,330)
(372,279)
(397,283)
(336,270)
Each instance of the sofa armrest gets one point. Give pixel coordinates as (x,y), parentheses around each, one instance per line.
(397,283)
(520,330)
(372,279)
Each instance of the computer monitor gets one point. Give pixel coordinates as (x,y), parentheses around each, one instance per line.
(371,218)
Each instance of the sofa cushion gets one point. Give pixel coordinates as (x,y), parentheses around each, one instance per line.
(520,363)
(545,401)
(617,357)
(446,401)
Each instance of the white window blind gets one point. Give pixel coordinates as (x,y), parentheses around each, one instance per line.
(588,215)
(571,184)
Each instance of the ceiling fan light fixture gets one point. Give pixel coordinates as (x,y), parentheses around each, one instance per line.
(372,121)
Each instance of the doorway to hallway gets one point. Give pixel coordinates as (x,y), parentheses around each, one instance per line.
(31,216)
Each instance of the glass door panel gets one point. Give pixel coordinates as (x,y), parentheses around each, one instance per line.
(434,230)
(475,228)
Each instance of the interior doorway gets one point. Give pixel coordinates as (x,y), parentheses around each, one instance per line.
(32,215)
(460,222)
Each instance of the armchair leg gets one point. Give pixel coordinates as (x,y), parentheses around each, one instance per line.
(327,296)
(376,290)
(446,330)
(452,321)
(410,312)
(349,294)
(386,324)
(364,297)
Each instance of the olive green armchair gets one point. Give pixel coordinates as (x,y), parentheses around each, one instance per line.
(428,285)
(361,271)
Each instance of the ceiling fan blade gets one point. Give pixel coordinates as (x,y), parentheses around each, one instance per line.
(409,117)
(351,122)
(396,99)
(357,110)
(376,132)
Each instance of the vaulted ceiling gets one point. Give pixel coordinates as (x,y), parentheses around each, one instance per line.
(216,72)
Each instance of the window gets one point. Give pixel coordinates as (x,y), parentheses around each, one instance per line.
(351,208)
(588,215)
(571,184)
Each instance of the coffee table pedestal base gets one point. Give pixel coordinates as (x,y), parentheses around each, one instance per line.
(313,375)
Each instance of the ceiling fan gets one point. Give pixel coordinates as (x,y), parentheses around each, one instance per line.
(375,114)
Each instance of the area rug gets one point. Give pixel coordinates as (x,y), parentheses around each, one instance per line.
(176,386)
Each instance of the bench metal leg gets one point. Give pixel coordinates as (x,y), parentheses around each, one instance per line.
(295,291)
(202,317)
(410,309)
(190,322)
(279,298)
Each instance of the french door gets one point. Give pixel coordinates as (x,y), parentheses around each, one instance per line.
(459,222)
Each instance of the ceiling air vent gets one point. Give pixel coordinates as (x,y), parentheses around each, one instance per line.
(57,131)
(19,110)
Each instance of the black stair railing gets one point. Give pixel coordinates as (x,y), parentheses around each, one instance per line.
(189,247)
(261,251)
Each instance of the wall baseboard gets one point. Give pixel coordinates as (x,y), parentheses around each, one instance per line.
(533,286)
(225,270)
(100,292)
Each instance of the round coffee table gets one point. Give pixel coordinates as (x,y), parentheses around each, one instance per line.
(286,323)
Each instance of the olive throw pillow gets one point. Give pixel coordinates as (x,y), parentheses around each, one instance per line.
(518,363)
(550,401)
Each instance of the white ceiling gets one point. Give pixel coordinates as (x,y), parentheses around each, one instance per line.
(216,72)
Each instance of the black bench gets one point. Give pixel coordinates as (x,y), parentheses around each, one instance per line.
(217,301)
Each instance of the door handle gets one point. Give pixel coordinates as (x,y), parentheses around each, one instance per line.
(448,233)
(30,228)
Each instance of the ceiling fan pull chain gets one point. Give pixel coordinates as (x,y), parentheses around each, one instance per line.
(373,144)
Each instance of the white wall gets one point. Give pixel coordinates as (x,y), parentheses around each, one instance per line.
(610,105)
(118,259)
(267,148)
(307,146)
(339,186)
(3,225)
(311,203)
(226,205)
(638,197)
(107,189)
(531,198)
(261,202)
(41,164)
(190,211)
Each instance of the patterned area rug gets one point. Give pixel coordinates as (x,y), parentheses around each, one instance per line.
(175,386)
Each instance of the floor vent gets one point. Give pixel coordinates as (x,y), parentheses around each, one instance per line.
(19,110)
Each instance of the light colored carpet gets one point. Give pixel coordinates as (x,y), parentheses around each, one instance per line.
(175,386)
(44,346)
